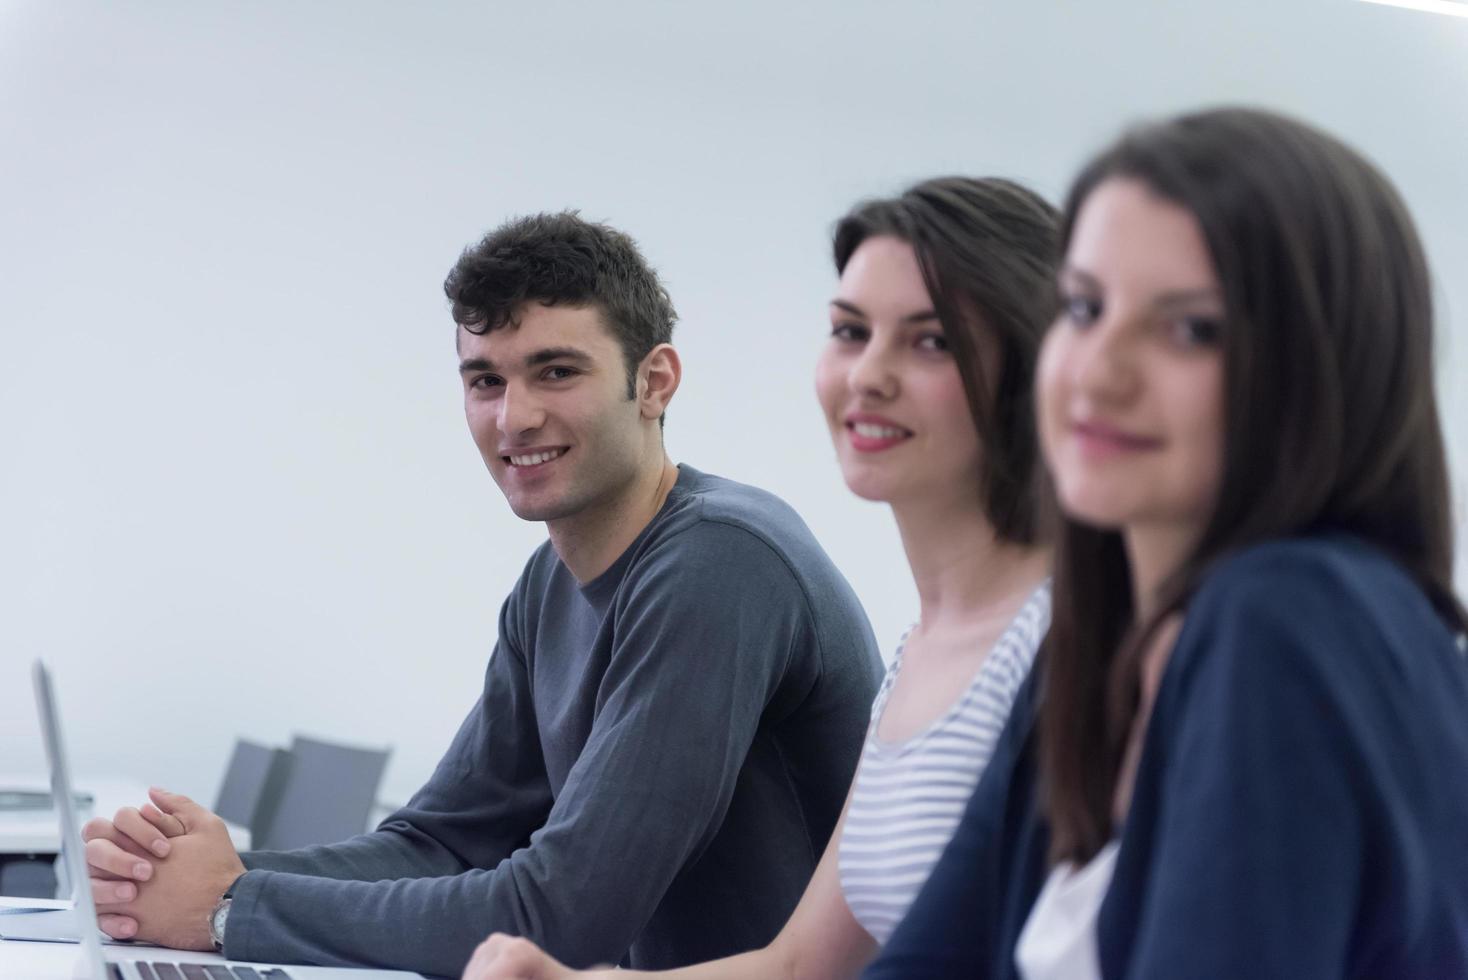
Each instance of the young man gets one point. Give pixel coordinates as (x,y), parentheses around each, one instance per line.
(671,715)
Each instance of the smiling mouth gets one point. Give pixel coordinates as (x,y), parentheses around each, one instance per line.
(869,431)
(1107,438)
(536,458)
(871,437)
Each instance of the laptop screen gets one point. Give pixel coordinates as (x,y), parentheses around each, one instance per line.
(73,854)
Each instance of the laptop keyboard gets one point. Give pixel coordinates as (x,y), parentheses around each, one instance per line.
(198,971)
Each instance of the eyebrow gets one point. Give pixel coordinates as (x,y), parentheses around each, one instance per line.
(1172,298)
(534,359)
(926,316)
(1190,297)
(547,354)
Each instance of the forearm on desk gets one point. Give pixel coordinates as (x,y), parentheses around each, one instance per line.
(431,925)
(583,889)
(413,924)
(395,850)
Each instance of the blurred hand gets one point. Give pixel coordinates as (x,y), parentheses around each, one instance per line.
(502,957)
(172,899)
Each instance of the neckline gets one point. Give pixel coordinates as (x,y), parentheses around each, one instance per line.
(901,747)
(606,583)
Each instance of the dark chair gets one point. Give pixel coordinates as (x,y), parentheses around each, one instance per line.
(326,795)
(28,877)
(253,783)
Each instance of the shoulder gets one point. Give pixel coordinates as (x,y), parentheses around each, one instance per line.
(718,500)
(1329,584)
(705,546)
(733,530)
(1330,610)
(1280,571)
(731,558)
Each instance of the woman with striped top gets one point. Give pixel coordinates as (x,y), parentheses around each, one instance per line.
(1248,758)
(925,383)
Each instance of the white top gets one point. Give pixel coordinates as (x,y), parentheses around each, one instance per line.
(1058,941)
(908,796)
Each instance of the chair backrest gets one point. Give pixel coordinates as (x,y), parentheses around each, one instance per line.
(327,794)
(27,877)
(252,787)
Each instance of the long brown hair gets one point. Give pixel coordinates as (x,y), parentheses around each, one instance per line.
(987,249)
(1331,420)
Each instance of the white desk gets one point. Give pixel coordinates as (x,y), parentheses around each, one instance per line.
(62,961)
(39,832)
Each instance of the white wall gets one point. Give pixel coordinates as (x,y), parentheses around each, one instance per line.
(237,493)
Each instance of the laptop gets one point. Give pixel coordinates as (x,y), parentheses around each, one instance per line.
(139,962)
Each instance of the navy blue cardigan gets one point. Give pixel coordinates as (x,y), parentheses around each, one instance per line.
(1301,806)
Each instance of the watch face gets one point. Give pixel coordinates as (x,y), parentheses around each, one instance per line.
(216,923)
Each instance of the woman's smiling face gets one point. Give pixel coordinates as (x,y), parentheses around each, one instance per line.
(889,386)
(1130,379)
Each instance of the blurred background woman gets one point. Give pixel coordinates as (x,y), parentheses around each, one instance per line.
(926,386)
(1253,723)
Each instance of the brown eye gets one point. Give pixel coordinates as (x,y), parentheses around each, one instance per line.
(854,333)
(1197,331)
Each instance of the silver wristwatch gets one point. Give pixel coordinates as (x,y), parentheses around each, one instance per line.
(216,923)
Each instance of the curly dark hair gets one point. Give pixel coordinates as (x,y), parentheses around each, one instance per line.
(561,259)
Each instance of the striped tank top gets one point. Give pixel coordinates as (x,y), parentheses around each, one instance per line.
(909,795)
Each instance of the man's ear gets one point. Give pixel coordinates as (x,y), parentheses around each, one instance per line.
(657,380)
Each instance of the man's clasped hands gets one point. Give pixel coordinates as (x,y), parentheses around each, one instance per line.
(158,871)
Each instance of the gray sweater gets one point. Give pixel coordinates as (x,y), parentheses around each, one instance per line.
(651,772)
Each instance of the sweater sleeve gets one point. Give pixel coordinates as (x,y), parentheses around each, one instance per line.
(476,808)
(488,793)
(1263,755)
(676,713)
